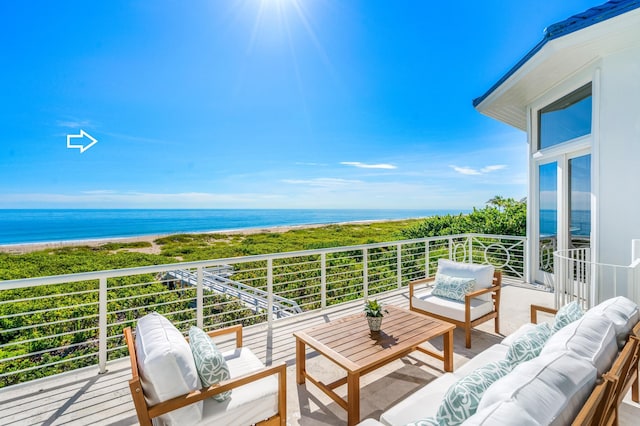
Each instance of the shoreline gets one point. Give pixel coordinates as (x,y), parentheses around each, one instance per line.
(23,248)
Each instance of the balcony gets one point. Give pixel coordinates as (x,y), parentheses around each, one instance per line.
(65,330)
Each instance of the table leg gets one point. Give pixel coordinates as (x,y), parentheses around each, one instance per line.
(448,351)
(300,361)
(353,399)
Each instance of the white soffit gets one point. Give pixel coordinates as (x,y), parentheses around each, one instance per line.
(558,60)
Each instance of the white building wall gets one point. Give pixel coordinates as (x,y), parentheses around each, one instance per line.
(618,166)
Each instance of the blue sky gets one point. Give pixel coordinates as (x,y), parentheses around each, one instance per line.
(261,104)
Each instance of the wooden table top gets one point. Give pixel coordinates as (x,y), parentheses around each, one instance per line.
(348,341)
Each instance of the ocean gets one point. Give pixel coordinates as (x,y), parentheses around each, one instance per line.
(22,226)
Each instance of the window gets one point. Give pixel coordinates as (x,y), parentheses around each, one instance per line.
(565,119)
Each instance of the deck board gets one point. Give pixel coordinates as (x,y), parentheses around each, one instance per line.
(84,397)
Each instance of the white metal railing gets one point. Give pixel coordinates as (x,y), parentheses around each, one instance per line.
(578,278)
(59,323)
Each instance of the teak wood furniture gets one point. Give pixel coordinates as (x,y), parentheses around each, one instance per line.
(349,343)
(146,412)
(469,322)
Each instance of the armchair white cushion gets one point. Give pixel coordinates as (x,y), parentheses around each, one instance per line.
(482,274)
(452,308)
(167,368)
(622,312)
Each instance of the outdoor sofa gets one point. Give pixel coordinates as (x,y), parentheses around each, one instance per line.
(579,374)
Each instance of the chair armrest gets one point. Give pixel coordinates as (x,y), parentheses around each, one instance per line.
(536,308)
(237,329)
(204,393)
(492,289)
(414,283)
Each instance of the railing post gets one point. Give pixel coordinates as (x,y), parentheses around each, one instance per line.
(450,248)
(102,325)
(200,298)
(470,240)
(365,273)
(427,261)
(399,264)
(270,292)
(323,280)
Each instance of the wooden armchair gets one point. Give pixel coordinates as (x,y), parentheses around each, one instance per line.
(473,311)
(147,412)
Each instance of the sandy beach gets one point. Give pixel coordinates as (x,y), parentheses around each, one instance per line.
(155,248)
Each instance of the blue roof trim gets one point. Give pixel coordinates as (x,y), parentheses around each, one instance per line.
(575,23)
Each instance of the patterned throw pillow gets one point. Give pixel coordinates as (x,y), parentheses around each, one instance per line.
(462,399)
(529,345)
(567,314)
(211,365)
(429,421)
(452,287)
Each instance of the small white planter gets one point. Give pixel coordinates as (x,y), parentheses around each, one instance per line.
(374,323)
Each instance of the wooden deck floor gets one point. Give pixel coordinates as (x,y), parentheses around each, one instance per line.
(84,397)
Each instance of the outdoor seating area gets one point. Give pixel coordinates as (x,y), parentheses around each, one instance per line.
(83,397)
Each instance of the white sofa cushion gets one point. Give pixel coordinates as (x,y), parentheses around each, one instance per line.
(462,399)
(550,388)
(421,404)
(503,413)
(249,403)
(452,308)
(210,363)
(483,274)
(167,368)
(592,337)
(622,312)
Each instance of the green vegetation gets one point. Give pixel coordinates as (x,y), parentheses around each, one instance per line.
(58,324)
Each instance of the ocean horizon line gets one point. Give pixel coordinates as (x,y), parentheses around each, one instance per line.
(61,226)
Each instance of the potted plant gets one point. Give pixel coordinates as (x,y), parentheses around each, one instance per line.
(374,312)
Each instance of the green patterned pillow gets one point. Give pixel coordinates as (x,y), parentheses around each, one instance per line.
(567,314)
(452,287)
(529,345)
(211,365)
(429,421)
(462,399)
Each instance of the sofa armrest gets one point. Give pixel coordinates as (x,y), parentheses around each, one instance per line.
(237,329)
(536,308)
(198,395)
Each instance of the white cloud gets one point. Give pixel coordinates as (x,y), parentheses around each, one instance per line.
(302,163)
(475,172)
(74,124)
(360,165)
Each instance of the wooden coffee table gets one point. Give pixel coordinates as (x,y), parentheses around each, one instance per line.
(349,343)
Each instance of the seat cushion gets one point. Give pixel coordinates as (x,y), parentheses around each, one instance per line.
(248,404)
(166,367)
(451,308)
(622,312)
(421,404)
(503,413)
(483,274)
(592,338)
(550,388)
